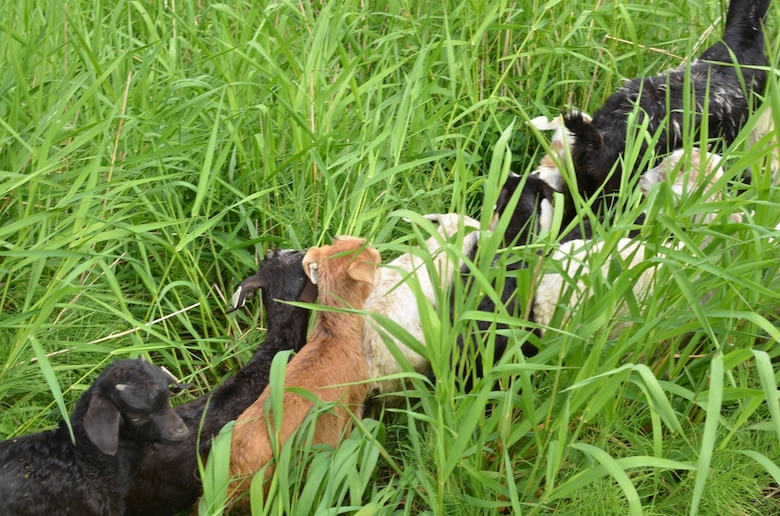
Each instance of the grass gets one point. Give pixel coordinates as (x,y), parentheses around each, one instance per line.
(151,153)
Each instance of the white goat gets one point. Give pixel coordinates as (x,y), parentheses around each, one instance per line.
(574,259)
(692,170)
(393,297)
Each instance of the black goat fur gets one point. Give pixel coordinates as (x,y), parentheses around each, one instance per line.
(523,228)
(167,480)
(526,220)
(720,83)
(48,473)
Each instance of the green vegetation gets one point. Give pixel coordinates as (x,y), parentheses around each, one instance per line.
(151,152)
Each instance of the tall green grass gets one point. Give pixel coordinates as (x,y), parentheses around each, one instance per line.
(150,153)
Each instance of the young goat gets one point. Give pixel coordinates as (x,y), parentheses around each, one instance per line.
(48,473)
(691,171)
(710,172)
(532,213)
(572,260)
(331,366)
(560,283)
(167,482)
(393,297)
(713,83)
(696,169)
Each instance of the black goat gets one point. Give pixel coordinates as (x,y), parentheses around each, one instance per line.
(48,473)
(167,481)
(718,84)
(531,213)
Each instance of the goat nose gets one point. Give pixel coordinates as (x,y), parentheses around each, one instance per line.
(180,432)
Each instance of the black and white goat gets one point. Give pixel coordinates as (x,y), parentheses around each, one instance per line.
(48,473)
(530,201)
(719,85)
(561,141)
(167,482)
(559,283)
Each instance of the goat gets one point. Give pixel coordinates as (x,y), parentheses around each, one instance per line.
(532,212)
(676,161)
(572,262)
(570,258)
(51,473)
(697,169)
(530,199)
(550,290)
(393,297)
(560,147)
(719,83)
(331,365)
(166,482)
(693,168)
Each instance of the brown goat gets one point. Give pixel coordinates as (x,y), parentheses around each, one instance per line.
(331,365)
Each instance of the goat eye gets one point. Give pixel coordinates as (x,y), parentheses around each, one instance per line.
(135,419)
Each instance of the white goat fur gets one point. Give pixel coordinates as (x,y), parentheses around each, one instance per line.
(692,169)
(711,171)
(393,297)
(560,143)
(574,258)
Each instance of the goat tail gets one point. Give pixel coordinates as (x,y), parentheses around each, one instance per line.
(744,33)
(746,17)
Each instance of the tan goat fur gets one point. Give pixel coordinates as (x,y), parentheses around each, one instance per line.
(328,366)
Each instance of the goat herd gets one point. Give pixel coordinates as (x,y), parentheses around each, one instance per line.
(126,451)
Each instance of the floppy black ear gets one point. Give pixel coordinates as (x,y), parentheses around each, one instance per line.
(433,217)
(583,131)
(309,292)
(246,289)
(102,423)
(507,189)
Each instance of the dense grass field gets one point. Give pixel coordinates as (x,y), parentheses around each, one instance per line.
(152,152)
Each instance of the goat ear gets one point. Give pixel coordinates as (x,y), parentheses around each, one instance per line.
(258,281)
(311,262)
(247,287)
(507,189)
(433,217)
(546,124)
(102,424)
(309,293)
(546,212)
(361,270)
